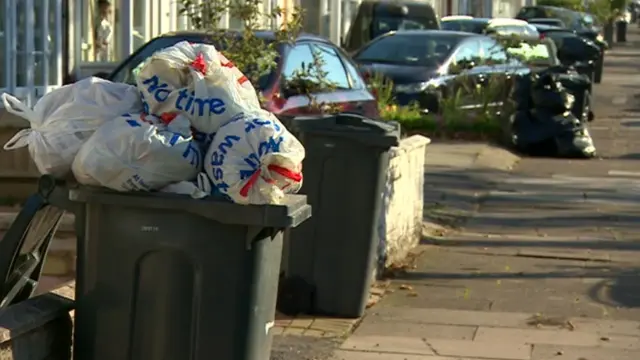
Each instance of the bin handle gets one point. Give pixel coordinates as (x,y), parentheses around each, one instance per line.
(357,120)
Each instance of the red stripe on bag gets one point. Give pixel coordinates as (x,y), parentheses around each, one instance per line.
(292,175)
(167,117)
(199,64)
(295,176)
(252,180)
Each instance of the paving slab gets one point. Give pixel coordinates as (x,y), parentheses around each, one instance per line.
(537,336)
(388,344)
(556,352)
(359,355)
(472,349)
(412,329)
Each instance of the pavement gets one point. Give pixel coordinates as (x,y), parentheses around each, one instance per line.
(537,263)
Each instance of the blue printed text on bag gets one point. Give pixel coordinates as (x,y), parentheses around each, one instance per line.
(186,100)
(217,159)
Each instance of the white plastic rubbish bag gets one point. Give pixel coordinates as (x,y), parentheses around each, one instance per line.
(197,81)
(62,120)
(254,160)
(138,152)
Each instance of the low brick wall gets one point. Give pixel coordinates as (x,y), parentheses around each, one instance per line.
(401,217)
(37,329)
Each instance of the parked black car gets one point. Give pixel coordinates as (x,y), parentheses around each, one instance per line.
(377,17)
(427,65)
(574,50)
(583,24)
(547,21)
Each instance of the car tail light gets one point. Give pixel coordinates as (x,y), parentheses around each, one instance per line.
(366,76)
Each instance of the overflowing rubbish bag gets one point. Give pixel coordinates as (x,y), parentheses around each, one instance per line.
(63,119)
(197,81)
(138,152)
(545,123)
(577,84)
(192,125)
(254,159)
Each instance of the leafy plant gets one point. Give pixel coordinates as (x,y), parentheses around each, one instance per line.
(254,55)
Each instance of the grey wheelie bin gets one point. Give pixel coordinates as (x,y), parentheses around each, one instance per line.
(162,276)
(330,258)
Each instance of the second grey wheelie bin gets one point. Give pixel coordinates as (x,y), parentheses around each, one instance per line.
(330,258)
(167,277)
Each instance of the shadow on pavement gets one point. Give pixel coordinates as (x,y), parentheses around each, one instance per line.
(622,290)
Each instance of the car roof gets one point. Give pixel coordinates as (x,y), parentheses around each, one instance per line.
(457,17)
(547,27)
(506,21)
(544,19)
(450,33)
(400,2)
(551,28)
(262,34)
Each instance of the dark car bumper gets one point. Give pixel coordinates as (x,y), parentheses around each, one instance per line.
(428,102)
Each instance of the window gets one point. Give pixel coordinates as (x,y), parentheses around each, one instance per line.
(336,73)
(492,52)
(386,23)
(469,51)
(413,50)
(354,74)
(298,60)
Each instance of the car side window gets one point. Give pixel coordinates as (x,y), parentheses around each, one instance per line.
(336,74)
(493,53)
(355,79)
(298,60)
(469,51)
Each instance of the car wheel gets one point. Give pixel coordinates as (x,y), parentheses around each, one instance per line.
(597,75)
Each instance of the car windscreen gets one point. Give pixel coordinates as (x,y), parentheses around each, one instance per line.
(128,72)
(411,50)
(382,24)
(470,26)
(533,53)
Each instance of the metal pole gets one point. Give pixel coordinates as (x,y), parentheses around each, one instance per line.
(29,49)
(46,45)
(335,21)
(58,42)
(77,33)
(13,25)
(126,26)
(322,17)
(8,36)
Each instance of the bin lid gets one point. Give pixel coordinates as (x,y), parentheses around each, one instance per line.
(349,125)
(291,212)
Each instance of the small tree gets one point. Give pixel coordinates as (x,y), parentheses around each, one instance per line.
(253,55)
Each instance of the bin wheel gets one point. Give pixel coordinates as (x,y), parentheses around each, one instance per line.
(597,75)
(587,114)
(295,296)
